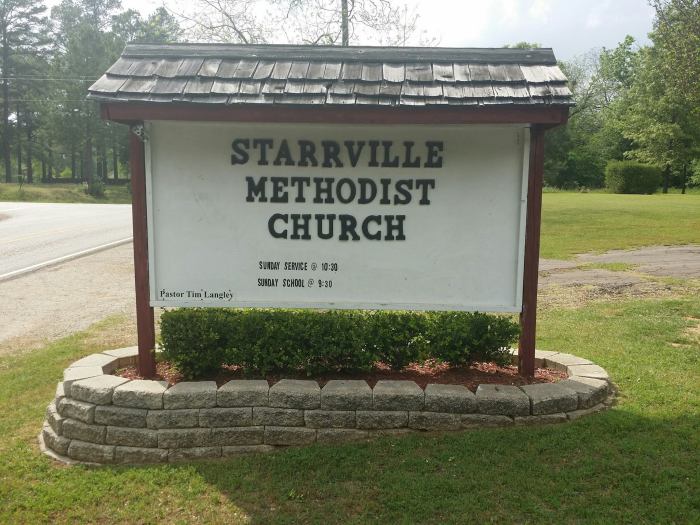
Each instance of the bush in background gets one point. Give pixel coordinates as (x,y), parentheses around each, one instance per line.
(623,176)
(199,341)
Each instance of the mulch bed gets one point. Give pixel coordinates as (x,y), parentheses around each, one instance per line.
(422,374)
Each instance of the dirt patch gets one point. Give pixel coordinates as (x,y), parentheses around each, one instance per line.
(4,216)
(430,372)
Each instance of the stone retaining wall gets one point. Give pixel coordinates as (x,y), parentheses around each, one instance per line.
(100,418)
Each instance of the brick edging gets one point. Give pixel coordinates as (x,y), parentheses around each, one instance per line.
(100,418)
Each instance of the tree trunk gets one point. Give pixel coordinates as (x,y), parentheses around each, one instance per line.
(73,167)
(6,128)
(103,157)
(684,181)
(115,160)
(30,167)
(43,169)
(667,176)
(88,173)
(19,144)
(344,24)
(50,163)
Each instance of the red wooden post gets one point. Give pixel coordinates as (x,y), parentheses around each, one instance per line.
(528,315)
(145,324)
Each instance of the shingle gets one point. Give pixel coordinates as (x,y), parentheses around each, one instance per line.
(281,70)
(351,71)
(315,86)
(144,68)
(366,88)
(298,70)
(332,70)
(108,84)
(462,72)
(209,67)
(316,70)
(167,67)
(169,86)
(250,87)
(137,85)
(227,69)
(443,72)
(393,72)
(197,86)
(225,86)
(419,72)
(342,88)
(371,72)
(479,73)
(189,67)
(122,66)
(264,69)
(294,86)
(274,86)
(246,68)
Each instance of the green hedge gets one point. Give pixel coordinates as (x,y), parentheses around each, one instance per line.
(199,341)
(623,176)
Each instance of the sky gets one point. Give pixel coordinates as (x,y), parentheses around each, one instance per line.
(570,27)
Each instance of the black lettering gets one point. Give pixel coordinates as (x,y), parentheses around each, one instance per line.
(240,151)
(373,145)
(331,150)
(263,144)
(298,225)
(300,182)
(376,236)
(319,225)
(425,184)
(354,155)
(391,227)
(402,188)
(385,191)
(279,191)
(408,162)
(284,153)
(256,189)
(271,225)
(328,190)
(365,185)
(307,153)
(348,225)
(393,163)
(339,191)
(434,159)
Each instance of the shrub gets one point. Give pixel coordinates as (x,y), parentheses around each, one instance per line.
(461,338)
(199,341)
(632,177)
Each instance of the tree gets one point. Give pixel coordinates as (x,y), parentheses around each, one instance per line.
(22,29)
(316,22)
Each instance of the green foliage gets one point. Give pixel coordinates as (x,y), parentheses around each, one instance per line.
(66,173)
(96,188)
(632,177)
(460,339)
(199,341)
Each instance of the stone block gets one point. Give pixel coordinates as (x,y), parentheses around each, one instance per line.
(456,399)
(485,420)
(541,419)
(280,417)
(97,390)
(131,455)
(120,416)
(561,361)
(73,429)
(397,395)
(346,395)
(132,437)
(78,373)
(53,418)
(195,394)
(140,393)
(434,421)
(294,393)
(550,398)
(226,417)
(126,356)
(106,363)
(373,419)
(79,410)
(60,392)
(54,441)
(186,454)
(590,391)
(90,452)
(183,418)
(340,435)
(330,418)
(246,449)
(243,393)
(591,371)
(184,438)
(390,432)
(502,400)
(289,435)
(237,436)
(576,414)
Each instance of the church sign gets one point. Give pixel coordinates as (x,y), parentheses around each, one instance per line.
(335,177)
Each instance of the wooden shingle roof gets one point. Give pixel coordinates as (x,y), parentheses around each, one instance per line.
(325,75)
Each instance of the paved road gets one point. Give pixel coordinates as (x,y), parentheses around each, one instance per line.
(35,233)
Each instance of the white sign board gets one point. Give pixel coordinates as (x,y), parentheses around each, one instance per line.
(335,216)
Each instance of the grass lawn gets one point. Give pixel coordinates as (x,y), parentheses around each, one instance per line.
(604,221)
(637,463)
(62,193)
